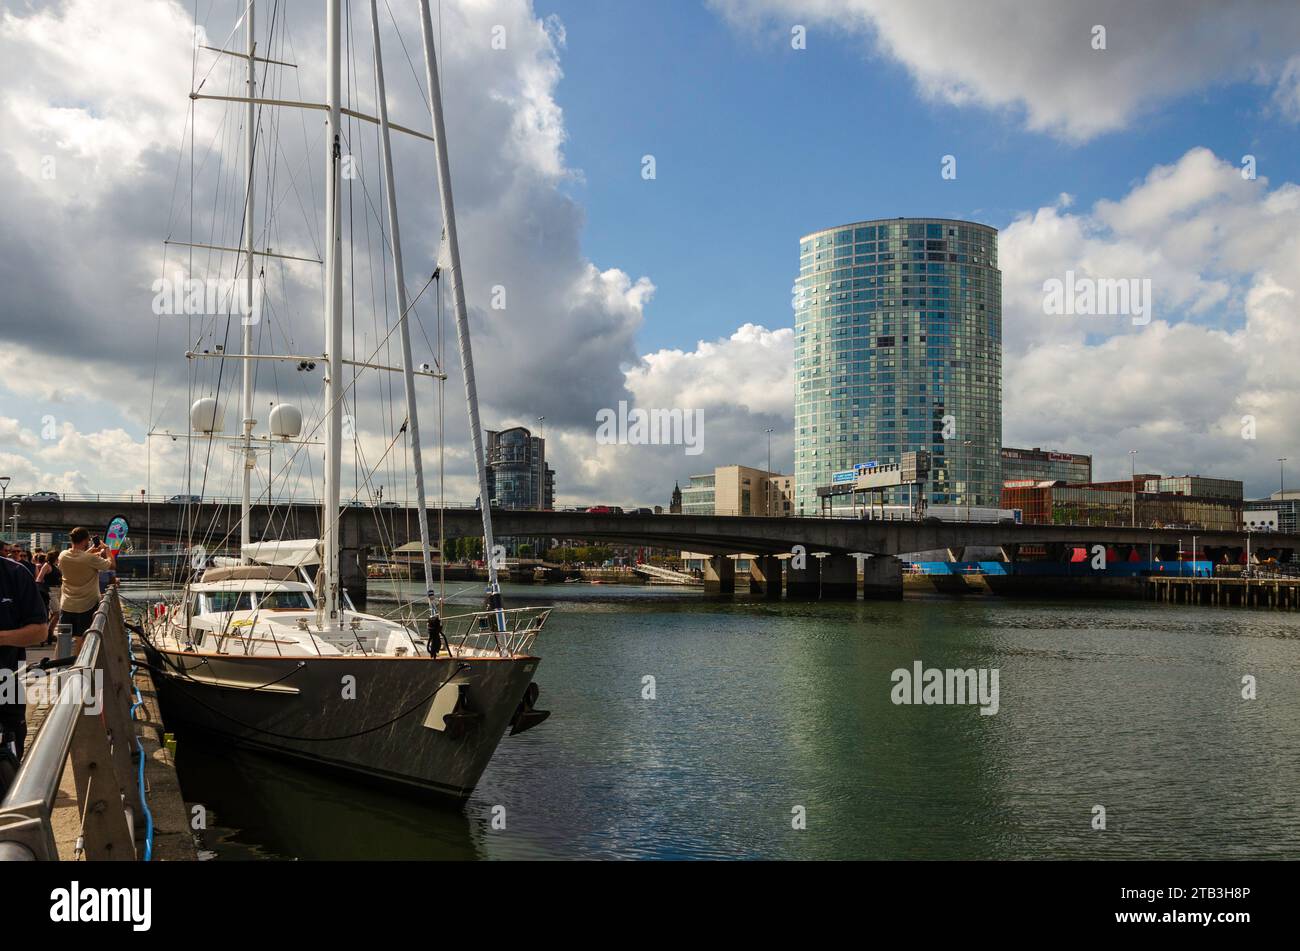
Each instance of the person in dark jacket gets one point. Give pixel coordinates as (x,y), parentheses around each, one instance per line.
(49,581)
(22,624)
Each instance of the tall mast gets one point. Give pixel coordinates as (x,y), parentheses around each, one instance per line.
(408,376)
(458,301)
(247,457)
(328,603)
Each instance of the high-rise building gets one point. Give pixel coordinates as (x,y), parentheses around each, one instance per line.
(1044,465)
(518,476)
(898,347)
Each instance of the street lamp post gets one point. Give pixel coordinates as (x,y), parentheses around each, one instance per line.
(1281,478)
(4,491)
(768,479)
(539,465)
(1132,485)
(965,490)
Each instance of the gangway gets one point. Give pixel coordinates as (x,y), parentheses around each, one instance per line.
(666,575)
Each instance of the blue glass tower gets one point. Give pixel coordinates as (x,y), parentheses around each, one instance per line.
(898,347)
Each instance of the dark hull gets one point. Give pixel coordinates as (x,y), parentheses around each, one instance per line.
(372,728)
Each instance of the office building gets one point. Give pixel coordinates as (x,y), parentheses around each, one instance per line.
(1044,465)
(1287,507)
(1115,503)
(1197,485)
(739,490)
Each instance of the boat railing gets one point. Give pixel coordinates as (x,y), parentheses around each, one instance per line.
(477,632)
(100,743)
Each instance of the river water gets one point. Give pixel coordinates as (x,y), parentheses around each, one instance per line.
(769,731)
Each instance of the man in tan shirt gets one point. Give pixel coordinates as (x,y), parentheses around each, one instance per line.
(81,565)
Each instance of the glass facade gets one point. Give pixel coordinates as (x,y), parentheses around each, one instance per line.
(1197,485)
(898,347)
(518,476)
(698,497)
(1287,509)
(1044,465)
(1108,504)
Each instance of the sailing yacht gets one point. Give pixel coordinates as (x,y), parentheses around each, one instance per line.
(267,649)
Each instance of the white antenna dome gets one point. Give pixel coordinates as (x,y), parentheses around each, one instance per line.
(286,421)
(205,417)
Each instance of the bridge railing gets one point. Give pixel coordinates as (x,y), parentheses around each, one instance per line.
(179,499)
(89,725)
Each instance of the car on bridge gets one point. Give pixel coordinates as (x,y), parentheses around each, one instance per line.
(41,497)
(184,500)
(605,510)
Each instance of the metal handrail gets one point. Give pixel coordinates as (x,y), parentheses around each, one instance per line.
(476,631)
(98,745)
(42,768)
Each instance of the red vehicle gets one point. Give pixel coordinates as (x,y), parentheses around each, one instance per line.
(599,510)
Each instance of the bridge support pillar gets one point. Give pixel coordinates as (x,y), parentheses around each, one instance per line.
(882,578)
(720,575)
(352,567)
(803,582)
(1010,552)
(352,557)
(956,554)
(765,576)
(840,578)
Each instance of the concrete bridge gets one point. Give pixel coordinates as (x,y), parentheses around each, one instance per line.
(772,540)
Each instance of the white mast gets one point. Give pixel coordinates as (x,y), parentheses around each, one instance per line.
(390,193)
(328,603)
(247,456)
(462,319)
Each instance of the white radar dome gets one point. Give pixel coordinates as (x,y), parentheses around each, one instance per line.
(286,421)
(205,417)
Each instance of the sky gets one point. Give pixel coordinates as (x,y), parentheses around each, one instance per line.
(765,120)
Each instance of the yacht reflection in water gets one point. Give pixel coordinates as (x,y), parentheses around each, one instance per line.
(258,807)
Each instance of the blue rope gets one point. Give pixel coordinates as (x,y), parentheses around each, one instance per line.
(148,816)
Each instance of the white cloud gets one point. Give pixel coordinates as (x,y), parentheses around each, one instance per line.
(753,370)
(87,86)
(1223,255)
(1037,59)
(740,386)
